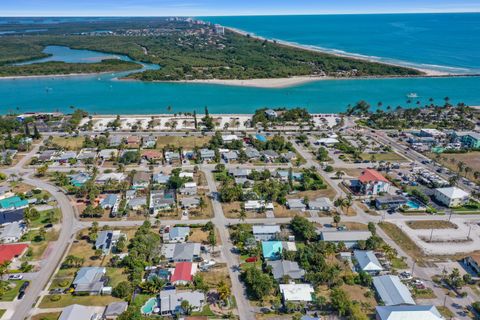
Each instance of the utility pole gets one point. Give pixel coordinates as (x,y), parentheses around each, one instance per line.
(431,235)
(469,230)
(413,266)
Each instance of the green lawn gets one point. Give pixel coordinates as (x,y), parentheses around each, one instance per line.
(46,316)
(400,238)
(68,299)
(389,156)
(398,263)
(11,294)
(44,218)
(116,276)
(206,312)
(2,311)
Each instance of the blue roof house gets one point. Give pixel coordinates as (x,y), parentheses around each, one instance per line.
(13,203)
(272,250)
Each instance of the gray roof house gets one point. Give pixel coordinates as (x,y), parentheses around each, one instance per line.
(230,156)
(265,232)
(171,156)
(270,154)
(149,142)
(181,252)
(161,200)
(90,280)
(137,203)
(424,312)
(114,309)
(207,154)
(110,201)
(107,239)
(367,261)
(177,234)
(282,268)
(115,141)
(349,238)
(321,204)
(79,312)
(239,173)
(189,203)
(392,291)
(296,204)
(170,301)
(161,178)
(252,153)
(12,232)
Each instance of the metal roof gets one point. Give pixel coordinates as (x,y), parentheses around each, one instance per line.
(392,291)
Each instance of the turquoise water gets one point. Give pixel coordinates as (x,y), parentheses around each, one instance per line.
(412,204)
(148,307)
(448,40)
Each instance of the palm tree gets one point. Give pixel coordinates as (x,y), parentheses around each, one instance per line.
(242,215)
(224,291)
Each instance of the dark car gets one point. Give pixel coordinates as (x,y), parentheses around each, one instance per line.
(21,294)
(24,285)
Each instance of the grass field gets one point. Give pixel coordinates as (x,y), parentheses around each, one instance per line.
(69,143)
(397,235)
(389,156)
(46,316)
(186,142)
(424,293)
(470,159)
(2,311)
(68,299)
(44,218)
(431,224)
(355,225)
(445,312)
(116,276)
(10,294)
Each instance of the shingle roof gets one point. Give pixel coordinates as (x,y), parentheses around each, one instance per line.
(282,268)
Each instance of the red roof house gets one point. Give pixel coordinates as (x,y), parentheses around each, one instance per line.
(370,175)
(183,273)
(10,251)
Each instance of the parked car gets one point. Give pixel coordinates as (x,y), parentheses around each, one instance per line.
(15,277)
(251,259)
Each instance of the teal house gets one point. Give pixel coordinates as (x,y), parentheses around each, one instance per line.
(79,179)
(13,203)
(272,250)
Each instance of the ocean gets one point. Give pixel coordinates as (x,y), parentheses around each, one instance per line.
(443,41)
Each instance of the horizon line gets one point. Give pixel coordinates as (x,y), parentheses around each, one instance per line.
(236,15)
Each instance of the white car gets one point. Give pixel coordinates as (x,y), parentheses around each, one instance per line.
(15,277)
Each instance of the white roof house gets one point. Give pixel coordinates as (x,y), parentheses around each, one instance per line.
(349,238)
(257,205)
(392,291)
(327,141)
(230,137)
(408,312)
(451,196)
(79,312)
(265,232)
(297,292)
(367,261)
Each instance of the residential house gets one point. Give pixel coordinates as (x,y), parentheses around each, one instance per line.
(10,252)
(80,312)
(289,156)
(87,154)
(115,141)
(431,133)
(321,204)
(170,301)
(392,291)
(161,200)
(113,176)
(252,153)
(11,216)
(90,280)
(272,250)
(349,238)
(181,252)
(5,192)
(183,273)
(110,201)
(327,141)
(367,262)
(285,268)
(115,309)
(171,157)
(152,155)
(137,203)
(190,203)
(141,180)
(420,312)
(132,142)
(189,188)
(297,292)
(451,197)
(257,205)
(270,155)
(186,174)
(207,155)
(12,203)
(108,154)
(177,234)
(12,232)
(107,239)
(239,173)
(79,179)
(65,156)
(296,204)
(373,182)
(149,142)
(229,138)
(284,175)
(271,114)
(161,178)
(266,232)
(230,156)
(390,202)
(47,155)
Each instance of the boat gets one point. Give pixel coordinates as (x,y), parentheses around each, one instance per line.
(412,95)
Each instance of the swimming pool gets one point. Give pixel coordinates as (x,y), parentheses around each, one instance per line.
(261,138)
(149,306)
(413,205)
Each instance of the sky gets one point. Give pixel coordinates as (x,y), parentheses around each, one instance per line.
(226,7)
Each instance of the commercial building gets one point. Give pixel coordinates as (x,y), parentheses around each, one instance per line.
(373,182)
(451,196)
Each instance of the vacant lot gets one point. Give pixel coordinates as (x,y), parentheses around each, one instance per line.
(184,142)
(69,143)
(68,299)
(470,159)
(397,235)
(389,156)
(431,224)
(46,316)
(232,211)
